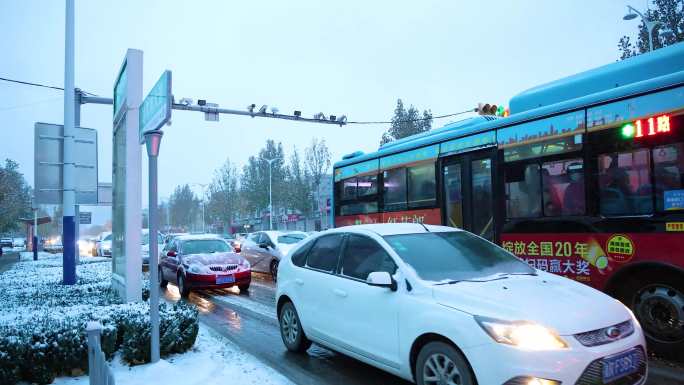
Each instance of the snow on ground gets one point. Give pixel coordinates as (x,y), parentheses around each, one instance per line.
(212,361)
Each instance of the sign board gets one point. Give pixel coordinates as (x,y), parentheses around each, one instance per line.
(127,179)
(673,199)
(85,217)
(49,159)
(155,110)
(211,116)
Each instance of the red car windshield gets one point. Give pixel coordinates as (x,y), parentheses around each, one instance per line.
(205,246)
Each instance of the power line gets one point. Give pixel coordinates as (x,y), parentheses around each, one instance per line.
(39,85)
(417,119)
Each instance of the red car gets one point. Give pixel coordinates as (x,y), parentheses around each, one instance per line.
(203,262)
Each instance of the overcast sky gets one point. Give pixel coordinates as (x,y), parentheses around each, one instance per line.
(346,57)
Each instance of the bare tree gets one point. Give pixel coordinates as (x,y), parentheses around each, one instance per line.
(317,164)
(223,195)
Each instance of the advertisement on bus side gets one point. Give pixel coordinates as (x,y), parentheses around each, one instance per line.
(590,257)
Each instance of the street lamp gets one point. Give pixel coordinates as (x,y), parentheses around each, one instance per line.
(270,192)
(153,142)
(632,14)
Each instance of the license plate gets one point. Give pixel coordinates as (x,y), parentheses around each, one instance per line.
(621,365)
(221,279)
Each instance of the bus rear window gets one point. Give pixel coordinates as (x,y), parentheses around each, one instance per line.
(668,166)
(625,183)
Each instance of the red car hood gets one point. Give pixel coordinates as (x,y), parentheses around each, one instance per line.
(214,258)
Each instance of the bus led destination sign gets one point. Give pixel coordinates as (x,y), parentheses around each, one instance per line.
(653,126)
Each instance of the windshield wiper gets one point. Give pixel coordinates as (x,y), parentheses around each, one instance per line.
(507,274)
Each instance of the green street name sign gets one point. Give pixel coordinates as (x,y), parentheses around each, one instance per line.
(155,110)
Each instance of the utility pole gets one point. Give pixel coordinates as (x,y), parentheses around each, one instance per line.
(69,193)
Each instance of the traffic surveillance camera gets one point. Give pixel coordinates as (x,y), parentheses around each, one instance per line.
(319,116)
(251,107)
(274,110)
(186,101)
(333,118)
(263,108)
(342,119)
(298,114)
(201,102)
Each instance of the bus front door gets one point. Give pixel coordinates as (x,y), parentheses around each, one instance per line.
(467,192)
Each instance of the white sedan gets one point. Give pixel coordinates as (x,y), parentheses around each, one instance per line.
(264,249)
(436,305)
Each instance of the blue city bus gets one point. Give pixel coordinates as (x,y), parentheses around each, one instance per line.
(585,179)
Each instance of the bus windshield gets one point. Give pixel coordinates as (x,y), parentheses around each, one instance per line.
(455,256)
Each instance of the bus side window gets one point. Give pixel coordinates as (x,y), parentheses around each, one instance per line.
(668,165)
(523,191)
(422,186)
(625,183)
(563,183)
(395,189)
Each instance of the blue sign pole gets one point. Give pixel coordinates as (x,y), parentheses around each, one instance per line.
(69,193)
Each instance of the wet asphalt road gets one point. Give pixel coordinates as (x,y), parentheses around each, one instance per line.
(249,320)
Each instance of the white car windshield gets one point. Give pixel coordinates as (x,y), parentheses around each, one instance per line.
(205,246)
(108,238)
(290,238)
(450,257)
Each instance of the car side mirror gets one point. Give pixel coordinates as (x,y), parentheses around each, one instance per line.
(381,279)
(171,253)
(264,245)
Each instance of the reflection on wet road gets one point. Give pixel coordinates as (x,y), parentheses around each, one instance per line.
(249,320)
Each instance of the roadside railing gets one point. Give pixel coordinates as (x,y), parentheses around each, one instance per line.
(99,371)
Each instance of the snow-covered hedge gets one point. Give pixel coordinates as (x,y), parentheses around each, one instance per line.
(42,323)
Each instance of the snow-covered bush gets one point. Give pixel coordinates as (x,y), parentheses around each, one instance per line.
(42,324)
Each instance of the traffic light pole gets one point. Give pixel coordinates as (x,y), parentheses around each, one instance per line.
(84,99)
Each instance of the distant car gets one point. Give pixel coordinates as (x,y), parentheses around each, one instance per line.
(104,245)
(6,242)
(265,249)
(86,246)
(145,241)
(19,242)
(53,245)
(203,262)
(438,305)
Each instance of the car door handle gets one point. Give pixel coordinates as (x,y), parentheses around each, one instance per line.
(340,293)
(299,281)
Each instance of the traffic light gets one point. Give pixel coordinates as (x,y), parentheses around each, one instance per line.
(486,109)
(492,109)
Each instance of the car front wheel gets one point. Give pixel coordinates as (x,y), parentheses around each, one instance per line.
(291,330)
(182,287)
(439,363)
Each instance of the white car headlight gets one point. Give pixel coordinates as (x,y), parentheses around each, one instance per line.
(522,334)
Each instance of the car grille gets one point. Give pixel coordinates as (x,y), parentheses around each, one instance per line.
(228,267)
(593,374)
(600,336)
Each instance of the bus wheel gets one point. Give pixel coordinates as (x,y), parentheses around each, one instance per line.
(658,303)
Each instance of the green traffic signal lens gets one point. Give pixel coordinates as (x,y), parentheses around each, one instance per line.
(628,131)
